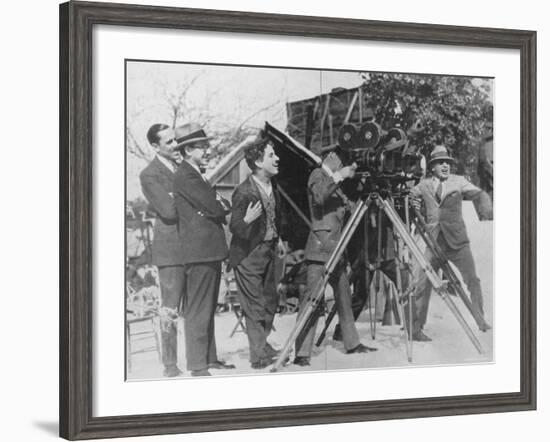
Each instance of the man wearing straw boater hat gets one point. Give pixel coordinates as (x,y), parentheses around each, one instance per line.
(201,215)
(442,194)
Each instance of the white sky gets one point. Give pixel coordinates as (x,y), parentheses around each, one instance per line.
(233,93)
(219,96)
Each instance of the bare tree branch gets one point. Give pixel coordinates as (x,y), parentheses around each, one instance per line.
(135,147)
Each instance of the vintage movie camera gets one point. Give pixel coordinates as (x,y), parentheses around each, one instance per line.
(380,154)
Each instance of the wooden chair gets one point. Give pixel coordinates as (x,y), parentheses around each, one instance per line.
(142,324)
(149,330)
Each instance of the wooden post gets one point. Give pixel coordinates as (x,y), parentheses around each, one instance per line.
(309,127)
(360,91)
(351,106)
(324,117)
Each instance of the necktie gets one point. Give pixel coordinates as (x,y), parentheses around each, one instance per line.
(439,192)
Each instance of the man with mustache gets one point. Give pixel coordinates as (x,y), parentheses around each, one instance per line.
(256,228)
(442,194)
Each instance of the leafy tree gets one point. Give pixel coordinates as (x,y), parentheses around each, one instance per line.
(454,111)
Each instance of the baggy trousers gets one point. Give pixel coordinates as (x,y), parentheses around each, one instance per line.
(257,290)
(202,285)
(462,258)
(172,280)
(342,296)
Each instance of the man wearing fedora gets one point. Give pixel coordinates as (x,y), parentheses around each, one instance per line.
(442,195)
(328,205)
(255,244)
(157,183)
(201,214)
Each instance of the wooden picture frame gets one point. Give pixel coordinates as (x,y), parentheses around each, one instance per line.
(76,242)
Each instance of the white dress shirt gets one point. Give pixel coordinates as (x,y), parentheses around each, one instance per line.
(267,188)
(169,164)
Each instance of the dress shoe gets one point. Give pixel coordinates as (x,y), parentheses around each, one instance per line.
(421,337)
(484,327)
(219,365)
(361,349)
(302,361)
(271,352)
(262,363)
(201,372)
(172,371)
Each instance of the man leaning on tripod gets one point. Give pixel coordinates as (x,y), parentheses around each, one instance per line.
(442,195)
(327,205)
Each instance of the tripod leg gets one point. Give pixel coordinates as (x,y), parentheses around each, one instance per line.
(378,269)
(406,324)
(329,319)
(397,289)
(410,325)
(371,290)
(319,291)
(406,259)
(429,271)
(367,275)
(448,271)
(406,336)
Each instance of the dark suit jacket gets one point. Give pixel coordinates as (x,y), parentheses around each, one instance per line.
(327,206)
(157,182)
(201,217)
(247,236)
(446,217)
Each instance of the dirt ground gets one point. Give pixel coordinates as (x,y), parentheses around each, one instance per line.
(450,344)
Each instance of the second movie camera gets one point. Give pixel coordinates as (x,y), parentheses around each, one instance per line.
(380,154)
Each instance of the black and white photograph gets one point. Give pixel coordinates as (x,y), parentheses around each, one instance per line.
(275,221)
(287,220)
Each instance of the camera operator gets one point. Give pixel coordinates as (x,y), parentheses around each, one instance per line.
(328,206)
(442,195)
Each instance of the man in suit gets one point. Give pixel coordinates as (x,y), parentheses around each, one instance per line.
(256,228)
(157,183)
(328,205)
(203,248)
(442,195)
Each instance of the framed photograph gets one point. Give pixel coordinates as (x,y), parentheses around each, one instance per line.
(272,220)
